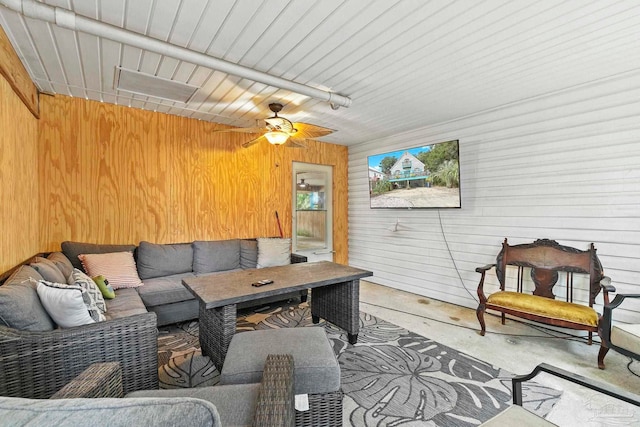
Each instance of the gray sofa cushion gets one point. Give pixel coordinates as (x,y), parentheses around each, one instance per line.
(20,307)
(316,367)
(23,273)
(156,260)
(235,403)
(169,314)
(248,253)
(175,412)
(48,270)
(62,262)
(72,249)
(215,255)
(126,303)
(165,290)
(218,272)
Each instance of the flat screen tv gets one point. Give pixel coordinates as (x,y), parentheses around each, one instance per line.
(422,177)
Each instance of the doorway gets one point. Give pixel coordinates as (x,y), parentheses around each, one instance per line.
(312,234)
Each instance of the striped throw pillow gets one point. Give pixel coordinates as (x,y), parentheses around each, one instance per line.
(119,268)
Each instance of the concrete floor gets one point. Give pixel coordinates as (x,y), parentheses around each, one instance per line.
(517,347)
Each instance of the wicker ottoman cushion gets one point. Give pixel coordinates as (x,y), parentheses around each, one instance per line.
(236,404)
(316,367)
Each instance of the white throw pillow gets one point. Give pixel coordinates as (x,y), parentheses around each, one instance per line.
(119,268)
(64,303)
(273,252)
(78,278)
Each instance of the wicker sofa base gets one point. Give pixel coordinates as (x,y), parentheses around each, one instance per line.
(38,364)
(325,409)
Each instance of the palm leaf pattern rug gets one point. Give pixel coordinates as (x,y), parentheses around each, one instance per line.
(391,377)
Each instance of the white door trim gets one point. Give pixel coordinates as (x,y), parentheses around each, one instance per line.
(327,253)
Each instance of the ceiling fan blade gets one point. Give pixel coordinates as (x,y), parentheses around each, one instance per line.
(253,141)
(306,130)
(242,130)
(294,143)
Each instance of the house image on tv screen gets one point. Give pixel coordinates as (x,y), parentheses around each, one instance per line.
(408,168)
(419,177)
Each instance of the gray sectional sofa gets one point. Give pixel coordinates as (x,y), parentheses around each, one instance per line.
(37,358)
(163,266)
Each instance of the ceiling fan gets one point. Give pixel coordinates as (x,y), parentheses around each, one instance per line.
(281,131)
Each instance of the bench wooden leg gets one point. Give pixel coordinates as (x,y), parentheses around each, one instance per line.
(601,354)
(503,317)
(480,315)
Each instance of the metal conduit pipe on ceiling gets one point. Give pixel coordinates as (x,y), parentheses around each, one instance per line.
(68,19)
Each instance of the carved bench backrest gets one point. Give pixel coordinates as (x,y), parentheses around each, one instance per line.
(546,258)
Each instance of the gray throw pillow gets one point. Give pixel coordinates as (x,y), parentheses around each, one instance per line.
(48,270)
(72,249)
(248,253)
(156,260)
(20,306)
(273,252)
(216,255)
(62,262)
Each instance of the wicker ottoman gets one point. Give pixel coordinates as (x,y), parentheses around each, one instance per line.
(316,371)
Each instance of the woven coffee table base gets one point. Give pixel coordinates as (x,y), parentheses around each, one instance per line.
(340,305)
(217,328)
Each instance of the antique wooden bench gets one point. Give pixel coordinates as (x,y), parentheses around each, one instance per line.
(545,258)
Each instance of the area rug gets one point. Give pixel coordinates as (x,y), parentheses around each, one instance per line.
(391,377)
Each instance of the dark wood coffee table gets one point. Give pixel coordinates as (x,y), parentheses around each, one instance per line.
(335,294)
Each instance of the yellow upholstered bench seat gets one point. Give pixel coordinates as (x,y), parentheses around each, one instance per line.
(546,307)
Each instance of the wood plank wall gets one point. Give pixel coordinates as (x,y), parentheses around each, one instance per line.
(18,179)
(114,174)
(562,166)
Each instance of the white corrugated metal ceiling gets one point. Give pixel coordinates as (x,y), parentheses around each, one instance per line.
(405,64)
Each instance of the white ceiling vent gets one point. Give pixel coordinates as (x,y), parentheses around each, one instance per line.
(147,84)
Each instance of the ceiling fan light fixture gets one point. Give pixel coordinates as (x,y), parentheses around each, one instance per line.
(276,137)
(278,130)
